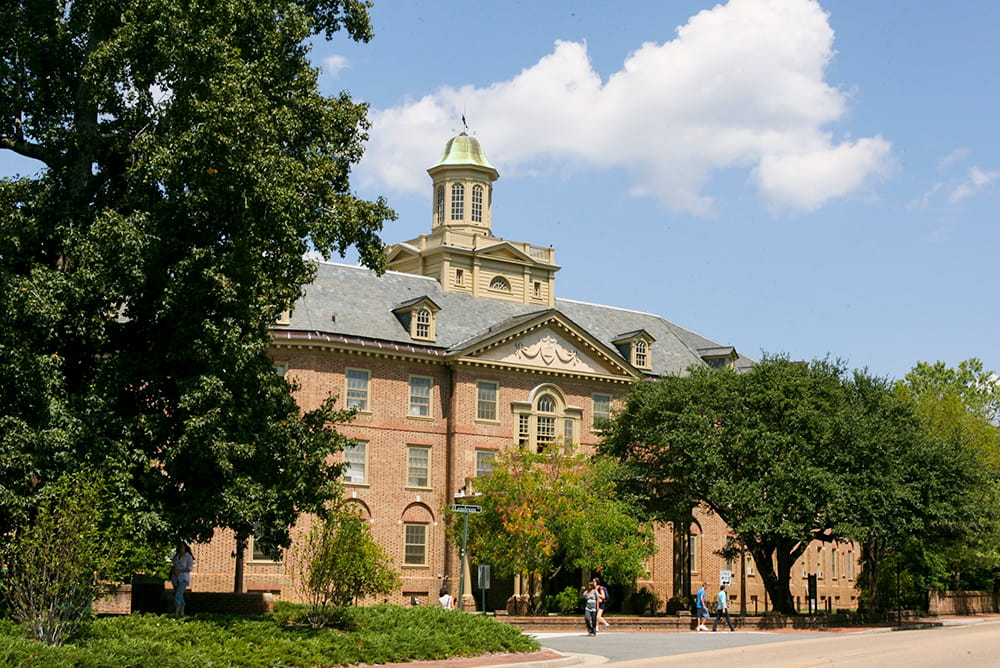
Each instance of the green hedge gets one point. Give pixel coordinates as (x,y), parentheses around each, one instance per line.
(377,634)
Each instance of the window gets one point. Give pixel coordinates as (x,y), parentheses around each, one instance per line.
(500,283)
(538,288)
(546,421)
(477,204)
(257,552)
(641,354)
(459,277)
(357,388)
(418,460)
(422,324)
(750,565)
(602,408)
(415,546)
(819,563)
(457,201)
(833,564)
(439,205)
(420,396)
(694,543)
(568,431)
(486,400)
(523,429)
(484,462)
(805,563)
(717,362)
(280,368)
(850,564)
(356,463)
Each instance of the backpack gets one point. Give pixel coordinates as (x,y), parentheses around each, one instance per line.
(603,591)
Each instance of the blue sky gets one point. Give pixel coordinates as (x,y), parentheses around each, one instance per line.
(779,175)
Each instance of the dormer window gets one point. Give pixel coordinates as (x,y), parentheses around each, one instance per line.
(636,347)
(477,204)
(422,324)
(500,283)
(419,317)
(457,201)
(640,354)
(723,357)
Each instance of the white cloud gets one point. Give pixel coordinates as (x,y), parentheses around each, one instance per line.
(741,85)
(975,180)
(332,65)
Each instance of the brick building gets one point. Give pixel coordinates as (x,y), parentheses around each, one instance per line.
(461,350)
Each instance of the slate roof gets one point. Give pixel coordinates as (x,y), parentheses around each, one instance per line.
(351,301)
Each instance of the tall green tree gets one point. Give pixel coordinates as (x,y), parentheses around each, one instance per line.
(188,162)
(960,407)
(543,512)
(785,454)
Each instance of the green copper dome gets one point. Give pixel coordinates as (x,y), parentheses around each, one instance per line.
(464,150)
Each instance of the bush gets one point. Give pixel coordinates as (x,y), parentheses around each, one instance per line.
(54,562)
(566,602)
(379,634)
(340,563)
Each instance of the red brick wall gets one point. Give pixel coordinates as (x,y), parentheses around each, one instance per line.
(388,502)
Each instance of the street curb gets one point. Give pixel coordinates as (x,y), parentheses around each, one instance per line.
(574,659)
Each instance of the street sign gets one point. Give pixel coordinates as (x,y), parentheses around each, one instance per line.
(726,578)
(467,509)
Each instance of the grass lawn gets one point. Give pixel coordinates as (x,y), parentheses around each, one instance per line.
(377,634)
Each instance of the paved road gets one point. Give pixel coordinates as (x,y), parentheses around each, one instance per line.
(626,646)
(976,645)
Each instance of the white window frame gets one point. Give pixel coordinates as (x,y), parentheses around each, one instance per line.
(351,468)
(416,548)
(481,403)
(413,470)
(477,203)
(418,400)
(458,201)
(599,398)
(484,462)
(361,398)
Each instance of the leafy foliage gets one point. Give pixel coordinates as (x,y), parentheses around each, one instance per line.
(786,454)
(55,564)
(340,563)
(543,512)
(379,634)
(188,163)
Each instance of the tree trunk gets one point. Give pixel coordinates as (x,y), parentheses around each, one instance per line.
(241,549)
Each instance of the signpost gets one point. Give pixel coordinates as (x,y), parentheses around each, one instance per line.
(726,578)
(466,510)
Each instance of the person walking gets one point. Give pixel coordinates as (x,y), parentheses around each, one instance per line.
(180,575)
(701,607)
(602,593)
(590,599)
(723,610)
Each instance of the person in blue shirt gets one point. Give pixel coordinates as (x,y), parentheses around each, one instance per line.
(701,607)
(723,610)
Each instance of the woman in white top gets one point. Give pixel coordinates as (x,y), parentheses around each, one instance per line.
(180,575)
(446,600)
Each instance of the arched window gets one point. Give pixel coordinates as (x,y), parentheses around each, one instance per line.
(457,201)
(422,330)
(439,206)
(546,420)
(477,204)
(641,354)
(500,283)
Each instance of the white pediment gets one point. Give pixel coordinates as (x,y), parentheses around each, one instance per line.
(544,348)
